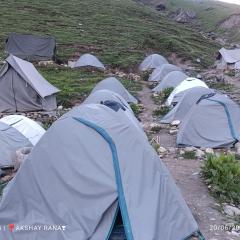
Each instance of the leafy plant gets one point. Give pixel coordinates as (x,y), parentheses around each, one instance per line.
(136,109)
(159,112)
(222,174)
(189,155)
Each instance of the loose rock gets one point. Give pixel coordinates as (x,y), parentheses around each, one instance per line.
(231,211)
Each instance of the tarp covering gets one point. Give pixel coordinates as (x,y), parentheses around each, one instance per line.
(172,79)
(10,141)
(189,98)
(212,122)
(230,56)
(100,161)
(88,60)
(24,89)
(31,47)
(27,127)
(152,61)
(116,86)
(160,72)
(184,85)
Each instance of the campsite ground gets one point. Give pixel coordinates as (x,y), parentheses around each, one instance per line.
(186,173)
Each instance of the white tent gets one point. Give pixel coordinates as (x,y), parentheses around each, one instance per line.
(88,60)
(160,72)
(27,127)
(152,61)
(184,85)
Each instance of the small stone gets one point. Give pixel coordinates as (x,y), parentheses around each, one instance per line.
(200,153)
(60,108)
(175,123)
(162,150)
(190,149)
(199,76)
(209,151)
(231,211)
(237,147)
(181,152)
(198,60)
(173,131)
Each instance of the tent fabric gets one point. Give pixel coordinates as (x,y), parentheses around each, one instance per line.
(100,96)
(24,89)
(30,47)
(116,86)
(160,72)
(107,164)
(152,61)
(184,85)
(201,126)
(27,127)
(230,56)
(172,79)
(10,141)
(88,60)
(189,98)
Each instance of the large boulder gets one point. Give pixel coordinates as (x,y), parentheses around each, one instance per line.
(184,16)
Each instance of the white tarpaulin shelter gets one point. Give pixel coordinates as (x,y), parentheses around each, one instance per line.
(116,86)
(88,60)
(184,85)
(160,72)
(229,58)
(151,62)
(27,127)
(172,79)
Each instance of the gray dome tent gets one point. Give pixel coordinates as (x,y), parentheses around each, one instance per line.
(101,96)
(88,60)
(102,166)
(160,72)
(10,141)
(30,47)
(116,86)
(172,79)
(188,99)
(22,88)
(212,122)
(151,62)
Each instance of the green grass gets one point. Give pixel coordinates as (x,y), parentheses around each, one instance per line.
(120,33)
(223,175)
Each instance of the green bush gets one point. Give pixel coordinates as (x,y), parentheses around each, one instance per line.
(222,174)
(160,112)
(189,155)
(136,109)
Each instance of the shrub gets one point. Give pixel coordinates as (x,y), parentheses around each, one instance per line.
(159,112)
(189,155)
(136,109)
(222,173)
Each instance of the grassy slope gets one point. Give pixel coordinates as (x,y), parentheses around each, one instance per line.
(119,32)
(210,13)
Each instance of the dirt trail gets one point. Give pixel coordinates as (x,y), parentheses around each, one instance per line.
(186,174)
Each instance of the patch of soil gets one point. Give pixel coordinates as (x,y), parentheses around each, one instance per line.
(231,22)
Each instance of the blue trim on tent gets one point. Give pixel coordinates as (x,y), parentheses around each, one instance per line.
(230,124)
(121,197)
(113,223)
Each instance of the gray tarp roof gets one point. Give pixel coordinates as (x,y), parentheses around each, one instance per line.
(116,86)
(30,74)
(188,99)
(172,79)
(212,122)
(98,160)
(30,47)
(152,61)
(88,60)
(160,72)
(10,141)
(230,56)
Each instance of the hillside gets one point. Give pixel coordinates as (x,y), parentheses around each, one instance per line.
(211,14)
(119,32)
